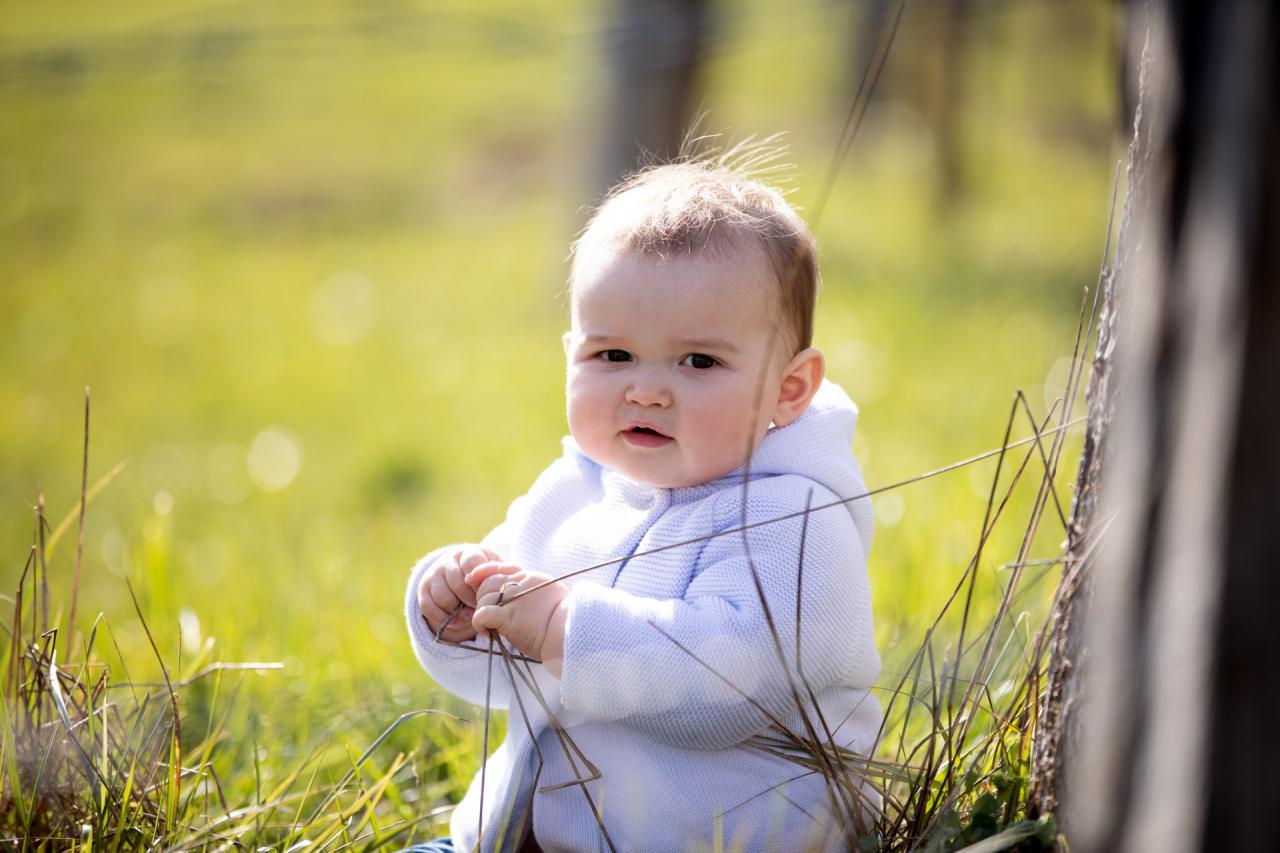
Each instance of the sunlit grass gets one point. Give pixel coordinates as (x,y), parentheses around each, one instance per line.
(171,233)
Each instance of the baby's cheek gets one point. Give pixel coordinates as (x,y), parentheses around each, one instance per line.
(586,415)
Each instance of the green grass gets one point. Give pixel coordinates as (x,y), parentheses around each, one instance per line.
(185,189)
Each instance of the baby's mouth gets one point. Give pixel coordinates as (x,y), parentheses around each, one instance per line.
(643,436)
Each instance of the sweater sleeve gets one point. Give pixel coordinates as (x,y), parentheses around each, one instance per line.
(661,665)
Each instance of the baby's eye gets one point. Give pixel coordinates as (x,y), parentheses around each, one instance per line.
(616,355)
(698,361)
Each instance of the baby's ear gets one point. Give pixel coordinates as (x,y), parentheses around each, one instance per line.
(800,380)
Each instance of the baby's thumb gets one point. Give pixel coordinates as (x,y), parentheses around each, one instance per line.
(490,617)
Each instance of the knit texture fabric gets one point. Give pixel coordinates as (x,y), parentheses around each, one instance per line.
(670,667)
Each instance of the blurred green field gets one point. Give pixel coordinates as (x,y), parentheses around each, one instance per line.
(309,260)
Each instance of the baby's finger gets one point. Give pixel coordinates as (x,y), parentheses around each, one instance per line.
(497,586)
(477,576)
(432,612)
(453,576)
(490,617)
(424,592)
(441,593)
(470,556)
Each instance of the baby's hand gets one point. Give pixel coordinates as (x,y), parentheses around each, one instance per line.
(444,587)
(533,623)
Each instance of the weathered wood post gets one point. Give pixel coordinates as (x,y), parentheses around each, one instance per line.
(1165,675)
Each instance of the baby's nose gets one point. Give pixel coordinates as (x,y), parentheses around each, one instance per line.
(648,391)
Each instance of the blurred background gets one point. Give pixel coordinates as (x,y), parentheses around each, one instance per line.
(309,258)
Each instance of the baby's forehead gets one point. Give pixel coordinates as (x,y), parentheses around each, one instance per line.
(742,263)
(683,295)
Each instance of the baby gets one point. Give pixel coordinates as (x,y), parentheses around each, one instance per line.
(696,407)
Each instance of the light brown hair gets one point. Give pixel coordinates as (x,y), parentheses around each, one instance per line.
(704,205)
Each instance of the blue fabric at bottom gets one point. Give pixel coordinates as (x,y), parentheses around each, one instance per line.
(436,845)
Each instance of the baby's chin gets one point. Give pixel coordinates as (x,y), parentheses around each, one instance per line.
(669,480)
(656,476)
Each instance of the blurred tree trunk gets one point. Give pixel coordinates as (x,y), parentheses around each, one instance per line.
(932,84)
(655,50)
(1160,730)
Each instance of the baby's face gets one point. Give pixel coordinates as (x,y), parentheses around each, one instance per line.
(665,360)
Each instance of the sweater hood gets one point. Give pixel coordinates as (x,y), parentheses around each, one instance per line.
(816,445)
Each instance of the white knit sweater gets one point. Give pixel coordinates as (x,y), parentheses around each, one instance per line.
(667,735)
